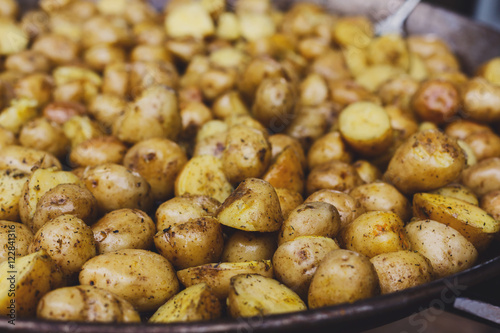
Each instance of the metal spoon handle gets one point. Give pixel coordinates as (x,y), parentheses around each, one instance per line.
(394,23)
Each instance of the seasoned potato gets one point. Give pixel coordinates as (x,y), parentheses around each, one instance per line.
(14,240)
(491,71)
(437,101)
(198,25)
(196,242)
(483,177)
(143,278)
(403,123)
(79,129)
(481,100)
(471,221)
(308,125)
(401,270)
(86,303)
(255,72)
(26,160)
(7,137)
(228,104)
(253,206)
(57,48)
(374,233)
(310,219)
(106,108)
(192,304)
(37,87)
(379,196)
(286,171)
(11,188)
(288,200)
(390,49)
(366,128)
(333,175)
(9,8)
(458,191)
(61,112)
(342,276)
(115,187)
(32,279)
(398,92)
(252,295)
(483,144)
(280,141)
(194,115)
(347,91)
(274,103)
(18,39)
(375,76)
(426,161)
(124,229)
(296,261)
(111,30)
(328,148)
(100,55)
(148,74)
(64,199)
(368,172)
(218,276)
(331,66)
(18,113)
(41,134)
(448,251)
(98,150)
(245,246)
(313,90)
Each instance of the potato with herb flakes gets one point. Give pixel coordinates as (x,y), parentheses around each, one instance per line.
(458,191)
(367,171)
(286,171)
(11,187)
(327,148)
(218,276)
(333,175)
(15,239)
(483,177)
(98,150)
(480,100)
(26,160)
(288,200)
(437,101)
(243,246)
(274,103)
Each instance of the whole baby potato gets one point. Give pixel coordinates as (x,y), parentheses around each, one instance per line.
(27,61)
(437,101)
(26,160)
(333,175)
(15,239)
(483,177)
(143,278)
(87,304)
(367,171)
(124,229)
(245,246)
(327,148)
(41,134)
(98,150)
(288,200)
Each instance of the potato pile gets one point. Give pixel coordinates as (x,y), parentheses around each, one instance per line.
(232,158)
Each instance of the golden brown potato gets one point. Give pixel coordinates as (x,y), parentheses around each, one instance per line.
(194,115)
(401,270)
(491,70)
(228,104)
(57,48)
(245,246)
(18,113)
(7,137)
(313,90)
(68,241)
(331,66)
(398,92)
(296,261)
(143,278)
(375,76)
(426,161)
(288,200)
(490,204)
(255,72)
(403,123)
(448,251)
(280,141)
(124,229)
(159,161)
(342,276)
(61,112)
(18,38)
(26,160)
(149,33)
(327,148)
(37,86)
(15,239)
(41,134)
(106,108)
(333,175)
(308,125)
(9,8)
(274,103)
(216,82)
(98,150)
(347,91)
(437,101)
(286,171)
(28,61)
(458,191)
(11,189)
(483,177)
(481,100)
(79,129)
(484,144)
(390,49)
(379,196)
(368,172)
(111,30)
(100,55)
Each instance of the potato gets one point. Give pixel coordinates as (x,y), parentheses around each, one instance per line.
(61,112)
(7,137)
(194,115)
(447,250)
(41,181)
(398,92)
(124,229)
(228,104)
(26,160)
(348,207)
(274,103)
(57,48)
(379,196)
(458,191)
(203,175)
(471,221)
(366,128)
(483,144)
(401,270)
(21,291)
(106,108)
(100,29)
(14,240)
(98,150)
(18,39)
(11,187)
(80,129)
(389,49)
(149,33)
(480,100)
(36,87)
(491,70)
(87,304)
(375,76)
(245,246)
(288,200)
(353,30)
(9,8)
(437,101)
(218,276)
(328,148)
(254,74)
(41,134)
(100,55)
(426,161)
(143,278)
(18,113)
(333,175)
(253,206)
(196,242)
(295,262)
(347,91)
(286,171)
(280,142)
(309,124)
(116,79)
(331,66)
(199,24)
(192,304)
(313,90)
(403,123)
(115,187)
(368,172)
(64,199)
(343,276)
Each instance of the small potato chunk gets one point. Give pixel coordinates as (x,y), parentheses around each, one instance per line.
(11,188)
(343,276)
(368,172)
(374,233)
(328,148)
(426,161)
(99,150)
(106,108)
(274,103)
(68,241)
(143,278)
(15,239)
(116,187)
(63,199)
(296,261)
(124,229)
(481,100)
(41,134)
(288,200)
(333,175)
(366,128)
(28,61)
(32,279)
(471,221)
(458,191)
(286,171)
(381,196)
(61,112)
(57,48)
(390,49)
(16,39)
(491,204)
(279,142)
(253,206)
(203,175)
(401,270)
(26,160)
(252,295)
(483,177)
(437,101)
(192,304)
(310,219)
(491,70)
(87,304)
(79,129)
(218,276)
(18,113)
(245,246)
(189,20)
(196,242)
(448,251)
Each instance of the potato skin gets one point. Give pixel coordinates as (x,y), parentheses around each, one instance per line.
(245,246)
(99,150)
(80,303)
(401,270)
(41,134)
(342,276)
(437,101)
(288,200)
(333,175)
(11,187)
(143,278)
(327,148)
(26,160)
(483,177)
(124,229)
(15,238)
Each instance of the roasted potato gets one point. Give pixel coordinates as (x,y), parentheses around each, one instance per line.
(328,148)
(483,177)
(14,240)
(288,200)
(333,175)
(437,101)
(458,191)
(11,187)
(26,160)
(245,246)
(480,100)
(96,151)
(286,171)
(41,134)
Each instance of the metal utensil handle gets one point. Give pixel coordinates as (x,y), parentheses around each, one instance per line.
(394,23)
